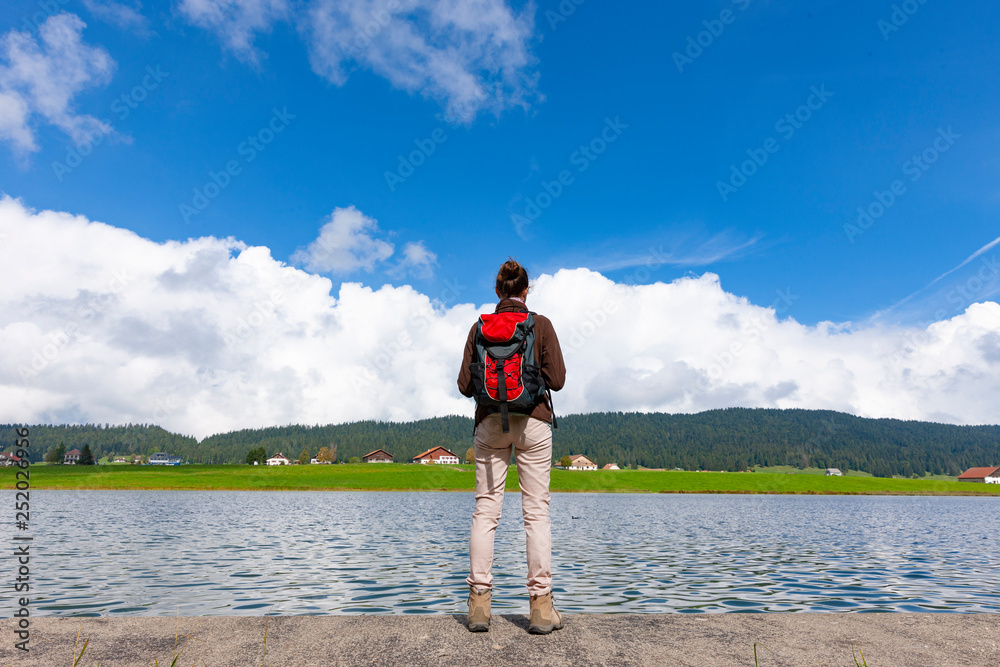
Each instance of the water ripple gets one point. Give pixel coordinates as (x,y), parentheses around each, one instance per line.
(233,552)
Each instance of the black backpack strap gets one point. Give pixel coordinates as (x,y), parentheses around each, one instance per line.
(502,392)
(548,394)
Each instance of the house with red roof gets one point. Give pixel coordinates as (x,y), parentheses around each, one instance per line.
(7,460)
(988,475)
(378,456)
(436,455)
(72,456)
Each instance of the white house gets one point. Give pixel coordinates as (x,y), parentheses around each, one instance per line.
(278,459)
(611,466)
(72,456)
(988,475)
(833,472)
(378,456)
(581,462)
(164,459)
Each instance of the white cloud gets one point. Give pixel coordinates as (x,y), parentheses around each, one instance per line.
(689,346)
(236,22)
(346,243)
(209,335)
(122,15)
(468,56)
(41,77)
(417,260)
(14,126)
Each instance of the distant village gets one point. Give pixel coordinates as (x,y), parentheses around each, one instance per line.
(435,455)
(77,457)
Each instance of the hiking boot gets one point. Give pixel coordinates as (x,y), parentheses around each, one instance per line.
(478,619)
(544,617)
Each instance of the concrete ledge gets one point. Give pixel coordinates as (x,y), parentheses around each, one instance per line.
(791,639)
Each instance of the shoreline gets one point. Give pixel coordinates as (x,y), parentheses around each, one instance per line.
(791,638)
(696,492)
(414,478)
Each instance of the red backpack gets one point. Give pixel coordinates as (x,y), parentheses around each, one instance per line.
(506,375)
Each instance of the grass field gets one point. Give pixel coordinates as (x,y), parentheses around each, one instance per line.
(407,477)
(792,470)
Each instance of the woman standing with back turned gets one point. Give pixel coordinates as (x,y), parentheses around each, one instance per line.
(503,423)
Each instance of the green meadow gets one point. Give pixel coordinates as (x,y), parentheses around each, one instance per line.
(409,477)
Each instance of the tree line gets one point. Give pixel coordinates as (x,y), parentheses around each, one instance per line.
(727,439)
(50,442)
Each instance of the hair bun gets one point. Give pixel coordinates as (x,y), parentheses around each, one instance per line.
(510,270)
(512,279)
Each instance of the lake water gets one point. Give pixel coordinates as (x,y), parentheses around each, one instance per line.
(314,552)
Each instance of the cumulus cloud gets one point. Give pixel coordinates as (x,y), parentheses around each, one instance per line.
(346,243)
(236,22)
(208,335)
(40,77)
(124,16)
(467,56)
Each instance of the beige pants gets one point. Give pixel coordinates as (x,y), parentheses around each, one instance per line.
(531,440)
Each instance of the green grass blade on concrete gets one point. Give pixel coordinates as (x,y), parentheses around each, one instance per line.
(78,658)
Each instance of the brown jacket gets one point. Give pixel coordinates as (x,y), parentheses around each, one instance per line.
(550,361)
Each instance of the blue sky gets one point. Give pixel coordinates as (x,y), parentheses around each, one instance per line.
(645,203)
(654,186)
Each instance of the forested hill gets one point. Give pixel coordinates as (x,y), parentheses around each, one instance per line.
(730,439)
(103,439)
